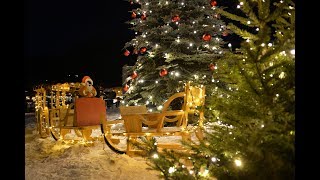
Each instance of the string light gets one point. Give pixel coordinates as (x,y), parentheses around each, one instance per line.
(238,162)
(293,52)
(171,170)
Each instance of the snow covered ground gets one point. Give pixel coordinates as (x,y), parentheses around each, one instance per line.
(47,159)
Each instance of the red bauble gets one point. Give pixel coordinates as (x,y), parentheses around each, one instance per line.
(143,50)
(224,33)
(125,88)
(211,67)
(133,15)
(175,18)
(163,72)
(143,17)
(126,53)
(206,37)
(134,75)
(213,3)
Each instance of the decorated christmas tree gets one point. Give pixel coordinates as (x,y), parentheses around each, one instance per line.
(250,133)
(175,42)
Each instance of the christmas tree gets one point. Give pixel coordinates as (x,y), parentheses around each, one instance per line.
(175,42)
(250,133)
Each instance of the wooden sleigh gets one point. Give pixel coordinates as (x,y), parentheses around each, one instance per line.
(73,121)
(136,122)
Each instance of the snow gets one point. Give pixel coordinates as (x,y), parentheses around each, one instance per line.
(47,159)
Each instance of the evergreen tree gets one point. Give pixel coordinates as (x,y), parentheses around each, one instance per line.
(176,41)
(250,132)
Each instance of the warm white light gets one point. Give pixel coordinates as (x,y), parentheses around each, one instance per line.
(166,31)
(182,3)
(277,95)
(190,44)
(167,2)
(257,29)
(213,159)
(263,44)
(241,3)
(144,35)
(177,22)
(248,22)
(193,22)
(282,74)
(262,126)
(150,110)
(178,40)
(191,172)
(156,82)
(248,40)
(159,107)
(293,52)
(176,74)
(194,32)
(229,45)
(214,48)
(156,156)
(238,162)
(150,97)
(171,170)
(281,1)
(147,102)
(238,6)
(269,44)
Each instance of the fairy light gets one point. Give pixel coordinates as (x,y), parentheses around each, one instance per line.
(147,102)
(281,1)
(190,44)
(150,110)
(241,3)
(214,159)
(269,44)
(157,45)
(191,172)
(282,75)
(214,48)
(293,52)
(143,35)
(229,45)
(263,44)
(167,2)
(159,107)
(157,82)
(193,22)
(277,95)
(262,126)
(182,3)
(248,22)
(171,170)
(177,74)
(238,6)
(238,162)
(194,32)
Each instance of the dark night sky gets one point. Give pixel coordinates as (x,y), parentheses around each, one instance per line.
(75,37)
